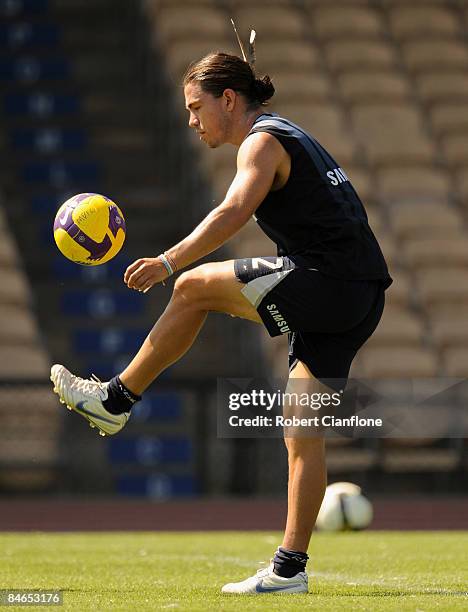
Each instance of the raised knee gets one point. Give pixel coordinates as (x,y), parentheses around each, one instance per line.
(189,285)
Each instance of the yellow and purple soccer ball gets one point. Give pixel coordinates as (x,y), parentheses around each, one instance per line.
(89,229)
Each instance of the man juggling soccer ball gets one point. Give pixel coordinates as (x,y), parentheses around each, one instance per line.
(328,281)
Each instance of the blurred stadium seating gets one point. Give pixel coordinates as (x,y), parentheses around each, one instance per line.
(29,421)
(91,101)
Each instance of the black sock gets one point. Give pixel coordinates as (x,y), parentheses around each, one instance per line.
(119,399)
(288,563)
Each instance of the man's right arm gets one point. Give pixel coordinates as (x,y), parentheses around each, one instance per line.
(258,160)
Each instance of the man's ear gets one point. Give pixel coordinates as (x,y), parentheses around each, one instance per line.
(230,98)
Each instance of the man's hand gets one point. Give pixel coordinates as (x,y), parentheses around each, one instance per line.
(142,274)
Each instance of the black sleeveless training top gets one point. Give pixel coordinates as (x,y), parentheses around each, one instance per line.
(317,218)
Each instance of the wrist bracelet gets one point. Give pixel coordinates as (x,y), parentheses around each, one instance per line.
(171,261)
(166,263)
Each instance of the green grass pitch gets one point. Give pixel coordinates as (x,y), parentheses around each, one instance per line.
(373,571)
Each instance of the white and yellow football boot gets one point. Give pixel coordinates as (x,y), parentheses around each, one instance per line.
(85,396)
(266,581)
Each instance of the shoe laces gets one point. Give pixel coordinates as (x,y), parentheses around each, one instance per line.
(264,571)
(88,385)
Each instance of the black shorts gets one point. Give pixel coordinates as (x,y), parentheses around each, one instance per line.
(327,319)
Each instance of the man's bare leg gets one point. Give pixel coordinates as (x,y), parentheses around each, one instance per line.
(306,487)
(210,287)
(107,405)
(307,476)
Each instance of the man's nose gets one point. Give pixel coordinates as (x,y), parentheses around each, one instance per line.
(193,121)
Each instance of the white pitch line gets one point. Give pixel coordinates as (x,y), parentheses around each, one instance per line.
(411,589)
(351,580)
(209,558)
